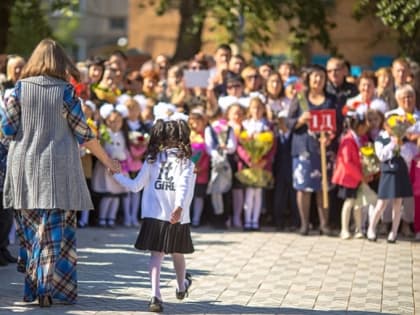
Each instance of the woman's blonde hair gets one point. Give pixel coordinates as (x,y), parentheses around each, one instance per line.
(49,58)
(383,71)
(11,61)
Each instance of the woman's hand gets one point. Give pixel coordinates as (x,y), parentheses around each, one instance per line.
(114,167)
(304,118)
(175,215)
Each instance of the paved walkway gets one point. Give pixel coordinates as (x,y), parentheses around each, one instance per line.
(240,273)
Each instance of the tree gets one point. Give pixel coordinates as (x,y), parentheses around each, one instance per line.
(248,23)
(5,6)
(28,25)
(28,20)
(401,16)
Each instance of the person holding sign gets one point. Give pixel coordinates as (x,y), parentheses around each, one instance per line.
(306,147)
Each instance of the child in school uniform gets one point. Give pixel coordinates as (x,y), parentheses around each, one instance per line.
(394,182)
(168,178)
(220,142)
(115,145)
(136,136)
(256,123)
(89,109)
(235,114)
(286,213)
(197,122)
(348,172)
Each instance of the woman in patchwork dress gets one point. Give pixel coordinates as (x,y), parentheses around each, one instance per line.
(44,181)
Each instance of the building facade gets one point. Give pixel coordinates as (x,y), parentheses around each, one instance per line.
(356,41)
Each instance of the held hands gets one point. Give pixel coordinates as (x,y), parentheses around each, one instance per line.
(175,215)
(114,167)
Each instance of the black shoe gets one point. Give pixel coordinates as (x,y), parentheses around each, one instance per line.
(304,231)
(155,305)
(3,261)
(20,267)
(44,301)
(6,255)
(182,295)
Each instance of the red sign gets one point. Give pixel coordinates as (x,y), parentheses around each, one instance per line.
(322,120)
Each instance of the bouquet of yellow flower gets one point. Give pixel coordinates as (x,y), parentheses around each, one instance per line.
(371,166)
(400,123)
(370,161)
(256,146)
(92,125)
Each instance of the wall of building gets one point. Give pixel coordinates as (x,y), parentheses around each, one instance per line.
(355,40)
(102,23)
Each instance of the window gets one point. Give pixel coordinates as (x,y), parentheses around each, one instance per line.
(117,23)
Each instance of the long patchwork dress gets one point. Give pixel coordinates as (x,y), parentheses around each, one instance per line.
(45,183)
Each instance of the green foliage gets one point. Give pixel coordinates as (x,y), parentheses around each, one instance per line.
(249,23)
(29,23)
(401,16)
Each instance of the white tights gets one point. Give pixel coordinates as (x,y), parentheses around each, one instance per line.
(252,207)
(238,204)
(131,204)
(379,209)
(108,208)
(155,268)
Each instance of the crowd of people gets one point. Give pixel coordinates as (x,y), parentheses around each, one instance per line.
(236,152)
(282,185)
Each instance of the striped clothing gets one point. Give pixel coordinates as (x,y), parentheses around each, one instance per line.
(48,253)
(44,168)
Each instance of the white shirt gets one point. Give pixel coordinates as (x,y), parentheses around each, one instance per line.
(375,104)
(168,183)
(255,126)
(212,145)
(385,152)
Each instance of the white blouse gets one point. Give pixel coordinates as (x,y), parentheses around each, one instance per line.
(168,183)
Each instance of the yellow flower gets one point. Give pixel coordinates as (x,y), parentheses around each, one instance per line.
(258,145)
(266,137)
(400,124)
(196,137)
(410,118)
(367,150)
(92,125)
(243,136)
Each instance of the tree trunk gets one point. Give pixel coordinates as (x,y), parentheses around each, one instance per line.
(189,34)
(5,8)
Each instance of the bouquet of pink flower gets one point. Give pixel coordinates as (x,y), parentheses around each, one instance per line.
(221,128)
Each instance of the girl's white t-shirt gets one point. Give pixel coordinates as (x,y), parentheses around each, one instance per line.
(168,183)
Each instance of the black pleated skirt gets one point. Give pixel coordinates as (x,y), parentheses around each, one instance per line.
(162,236)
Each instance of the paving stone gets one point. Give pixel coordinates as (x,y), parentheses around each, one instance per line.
(239,273)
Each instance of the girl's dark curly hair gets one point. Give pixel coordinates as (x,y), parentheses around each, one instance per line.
(169,134)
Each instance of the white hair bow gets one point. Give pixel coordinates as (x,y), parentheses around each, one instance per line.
(106,110)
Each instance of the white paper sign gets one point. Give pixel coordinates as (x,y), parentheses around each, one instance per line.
(198,78)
